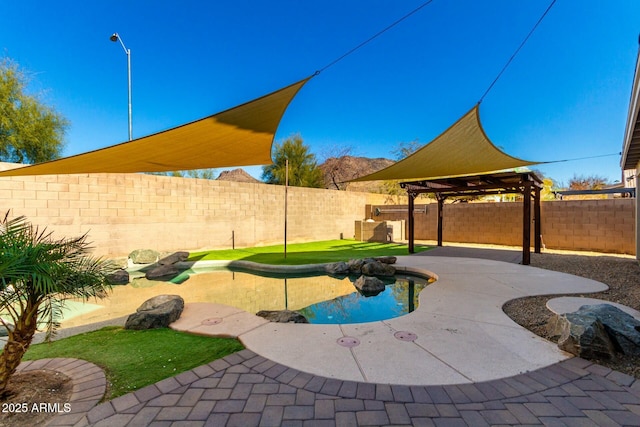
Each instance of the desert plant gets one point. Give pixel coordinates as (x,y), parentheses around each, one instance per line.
(37,274)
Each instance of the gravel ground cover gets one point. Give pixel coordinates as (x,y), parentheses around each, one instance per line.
(620,273)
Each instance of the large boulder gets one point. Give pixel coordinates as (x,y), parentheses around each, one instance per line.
(144,256)
(584,336)
(282,316)
(377,268)
(597,332)
(355,265)
(118,277)
(157,312)
(369,286)
(174,258)
(340,267)
(386,259)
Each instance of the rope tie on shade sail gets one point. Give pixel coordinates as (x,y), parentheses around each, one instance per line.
(379,33)
(516,52)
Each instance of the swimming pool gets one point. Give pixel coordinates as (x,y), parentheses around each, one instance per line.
(322,299)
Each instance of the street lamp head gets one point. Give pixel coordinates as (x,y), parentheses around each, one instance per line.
(114,37)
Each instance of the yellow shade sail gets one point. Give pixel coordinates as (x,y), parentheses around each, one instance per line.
(240,136)
(463,149)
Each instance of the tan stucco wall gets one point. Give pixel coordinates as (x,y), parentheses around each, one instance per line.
(123,212)
(607,225)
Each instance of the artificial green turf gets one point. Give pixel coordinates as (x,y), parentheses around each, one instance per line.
(134,359)
(308,253)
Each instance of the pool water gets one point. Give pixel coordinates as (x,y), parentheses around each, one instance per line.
(321,299)
(399,297)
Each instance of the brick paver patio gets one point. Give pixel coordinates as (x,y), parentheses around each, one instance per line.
(245,389)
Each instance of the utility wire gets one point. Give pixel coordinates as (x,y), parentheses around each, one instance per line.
(584,158)
(379,33)
(516,52)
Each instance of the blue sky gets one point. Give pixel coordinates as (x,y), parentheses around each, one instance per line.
(565,95)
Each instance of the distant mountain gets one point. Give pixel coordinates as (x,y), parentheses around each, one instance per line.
(338,170)
(237,175)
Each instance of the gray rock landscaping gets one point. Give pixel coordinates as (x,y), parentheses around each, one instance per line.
(144,256)
(597,332)
(369,286)
(380,266)
(157,312)
(174,258)
(118,277)
(282,316)
(166,268)
(377,268)
(341,268)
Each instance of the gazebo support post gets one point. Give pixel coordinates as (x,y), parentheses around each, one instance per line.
(440,214)
(410,221)
(526,224)
(537,238)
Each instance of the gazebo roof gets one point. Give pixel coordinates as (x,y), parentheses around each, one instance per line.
(475,185)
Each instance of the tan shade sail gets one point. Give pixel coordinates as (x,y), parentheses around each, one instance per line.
(463,149)
(240,136)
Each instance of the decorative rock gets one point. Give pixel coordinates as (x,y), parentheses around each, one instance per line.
(118,277)
(173,258)
(340,267)
(369,286)
(355,265)
(597,331)
(282,316)
(144,256)
(584,336)
(162,272)
(623,329)
(386,259)
(376,268)
(157,312)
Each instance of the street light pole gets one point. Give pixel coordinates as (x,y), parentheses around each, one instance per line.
(116,37)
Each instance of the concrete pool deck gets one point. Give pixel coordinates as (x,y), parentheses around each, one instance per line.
(458,334)
(247,389)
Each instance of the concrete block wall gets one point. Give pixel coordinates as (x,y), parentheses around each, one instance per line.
(606,225)
(123,212)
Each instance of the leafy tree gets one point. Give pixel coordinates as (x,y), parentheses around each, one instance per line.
(303,167)
(30,132)
(590,182)
(37,274)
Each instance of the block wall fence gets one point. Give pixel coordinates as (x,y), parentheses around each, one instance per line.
(606,225)
(124,212)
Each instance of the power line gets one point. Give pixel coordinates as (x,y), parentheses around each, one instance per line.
(379,33)
(516,52)
(584,158)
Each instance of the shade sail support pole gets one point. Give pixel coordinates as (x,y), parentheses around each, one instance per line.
(526,224)
(440,217)
(286,190)
(537,238)
(411,222)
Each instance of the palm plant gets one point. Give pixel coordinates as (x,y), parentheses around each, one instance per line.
(37,274)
